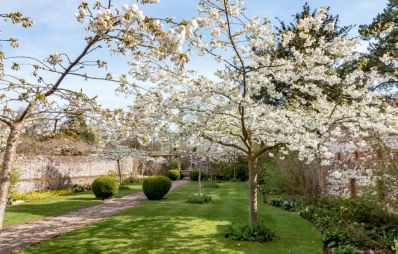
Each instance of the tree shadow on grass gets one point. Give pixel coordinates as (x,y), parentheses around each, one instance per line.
(157,234)
(174,226)
(51,207)
(47,209)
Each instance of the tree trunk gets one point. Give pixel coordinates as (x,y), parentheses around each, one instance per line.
(252,189)
(200,183)
(142,171)
(7,165)
(119,170)
(209,171)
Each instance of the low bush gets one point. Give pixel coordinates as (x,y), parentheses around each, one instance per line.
(173,174)
(279,202)
(289,205)
(173,165)
(156,187)
(200,199)
(194,175)
(359,222)
(105,187)
(335,238)
(346,249)
(256,233)
(38,195)
(80,188)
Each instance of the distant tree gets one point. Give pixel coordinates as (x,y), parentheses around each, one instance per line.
(327,30)
(383,47)
(292,42)
(76,126)
(383,36)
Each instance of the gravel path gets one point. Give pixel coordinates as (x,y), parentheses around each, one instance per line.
(20,236)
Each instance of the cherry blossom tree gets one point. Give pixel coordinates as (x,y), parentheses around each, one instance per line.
(116,134)
(320,101)
(42,94)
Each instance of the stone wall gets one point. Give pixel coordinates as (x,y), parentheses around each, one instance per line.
(51,172)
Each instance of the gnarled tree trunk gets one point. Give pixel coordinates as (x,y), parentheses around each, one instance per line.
(7,165)
(252,161)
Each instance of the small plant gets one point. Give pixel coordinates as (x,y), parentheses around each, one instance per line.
(173,174)
(156,187)
(335,238)
(200,199)
(80,188)
(278,202)
(194,175)
(292,206)
(256,233)
(395,247)
(105,187)
(346,249)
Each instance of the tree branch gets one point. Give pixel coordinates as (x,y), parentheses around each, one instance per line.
(224,143)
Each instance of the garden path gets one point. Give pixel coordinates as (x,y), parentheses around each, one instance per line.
(20,236)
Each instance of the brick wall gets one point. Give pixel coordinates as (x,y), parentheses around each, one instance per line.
(48,172)
(354,166)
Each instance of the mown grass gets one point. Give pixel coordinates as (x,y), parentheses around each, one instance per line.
(174,226)
(37,209)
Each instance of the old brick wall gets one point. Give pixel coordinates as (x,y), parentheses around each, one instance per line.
(49,172)
(352,168)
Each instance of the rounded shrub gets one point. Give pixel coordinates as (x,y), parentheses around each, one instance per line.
(194,175)
(156,187)
(105,187)
(173,174)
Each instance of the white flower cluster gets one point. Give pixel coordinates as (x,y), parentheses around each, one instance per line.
(138,35)
(54,59)
(131,14)
(82,13)
(103,22)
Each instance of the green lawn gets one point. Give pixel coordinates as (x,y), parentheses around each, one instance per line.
(56,205)
(174,226)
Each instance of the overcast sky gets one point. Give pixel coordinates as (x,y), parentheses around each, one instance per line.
(56,29)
